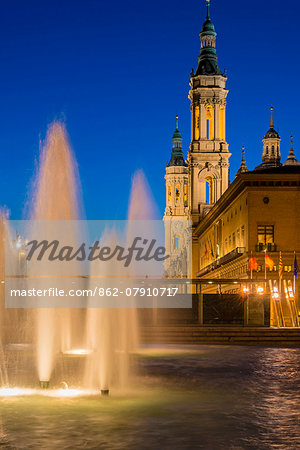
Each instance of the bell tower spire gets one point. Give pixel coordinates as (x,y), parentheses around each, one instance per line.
(208,158)
(271,147)
(207,9)
(176,179)
(271,119)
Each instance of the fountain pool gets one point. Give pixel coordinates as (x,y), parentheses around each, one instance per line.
(184,397)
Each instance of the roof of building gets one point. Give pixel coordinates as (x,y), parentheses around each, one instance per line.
(284,169)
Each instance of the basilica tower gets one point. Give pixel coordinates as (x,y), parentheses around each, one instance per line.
(176,179)
(208,158)
(176,218)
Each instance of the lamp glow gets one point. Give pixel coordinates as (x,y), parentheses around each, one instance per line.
(78,352)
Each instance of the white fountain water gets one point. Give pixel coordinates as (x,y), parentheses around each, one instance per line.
(55,198)
(98,342)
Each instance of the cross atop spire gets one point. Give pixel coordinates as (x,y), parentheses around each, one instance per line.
(207,7)
(271,119)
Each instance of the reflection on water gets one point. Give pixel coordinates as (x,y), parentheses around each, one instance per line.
(187,397)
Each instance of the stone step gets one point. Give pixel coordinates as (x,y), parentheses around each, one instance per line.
(196,335)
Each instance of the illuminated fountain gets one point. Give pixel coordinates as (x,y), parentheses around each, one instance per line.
(55,198)
(95,342)
(114,331)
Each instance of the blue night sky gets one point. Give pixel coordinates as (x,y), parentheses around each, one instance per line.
(118,72)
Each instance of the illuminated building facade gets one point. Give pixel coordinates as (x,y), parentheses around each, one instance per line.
(257,214)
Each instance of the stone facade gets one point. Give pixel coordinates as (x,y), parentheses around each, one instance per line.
(258,213)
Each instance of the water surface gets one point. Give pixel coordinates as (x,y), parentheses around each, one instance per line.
(209,397)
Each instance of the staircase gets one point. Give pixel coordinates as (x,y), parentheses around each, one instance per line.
(191,334)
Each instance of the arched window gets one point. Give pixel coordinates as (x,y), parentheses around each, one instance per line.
(197,130)
(185,193)
(267,150)
(169,193)
(209,122)
(273,150)
(177,193)
(222,123)
(209,190)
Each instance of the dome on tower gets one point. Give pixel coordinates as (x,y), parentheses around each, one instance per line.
(271,133)
(208,59)
(177,158)
(208,28)
(177,135)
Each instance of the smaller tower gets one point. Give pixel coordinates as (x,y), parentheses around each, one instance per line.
(291,160)
(176,179)
(176,218)
(271,147)
(243,167)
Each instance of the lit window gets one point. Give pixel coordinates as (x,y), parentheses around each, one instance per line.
(209,191)
(185,192)
(177,193)
(265,234)
(209,121)
(222,123)
(169,193)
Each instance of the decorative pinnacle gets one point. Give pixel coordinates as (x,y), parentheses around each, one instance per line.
(291,154)
(243,167)
(271,119)
(177,122)
(207,6)
(243,154)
